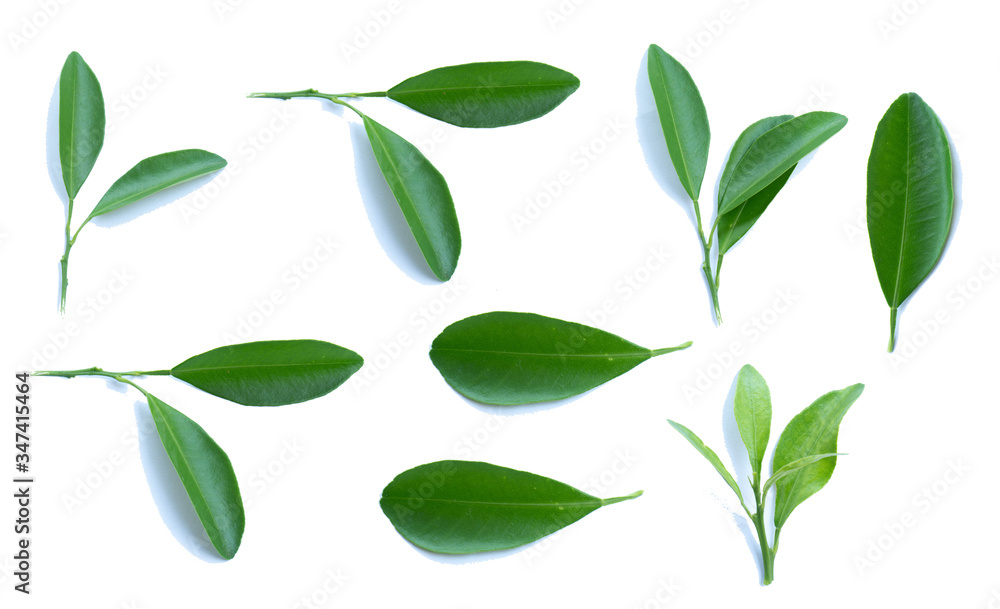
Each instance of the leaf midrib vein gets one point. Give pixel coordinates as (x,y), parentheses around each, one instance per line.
(560,355)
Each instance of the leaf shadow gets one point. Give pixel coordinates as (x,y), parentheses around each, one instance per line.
(54,167)
(168,492)
(124,215)
(465,559)
(956,179)
(522,409)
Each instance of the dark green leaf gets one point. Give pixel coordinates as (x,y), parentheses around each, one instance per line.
(775,152)
(270,373)
(423,196)
(910,198)
(518,358)
(460,507)
(709,454)
(157,173)
(81,122)
(793,467)
(207,476)
(488,94)
(812,432)
(682,117)
(752,409)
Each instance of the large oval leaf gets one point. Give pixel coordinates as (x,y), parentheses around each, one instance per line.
(812,432)
(752,409)
(775,152)
(682,117)
(460,507)
(81,122)
(910,198)
(156,173)
(487,94)
(207,476)
(518,358)
(270,373)
(423,196)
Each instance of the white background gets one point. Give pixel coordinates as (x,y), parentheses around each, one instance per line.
(111,526)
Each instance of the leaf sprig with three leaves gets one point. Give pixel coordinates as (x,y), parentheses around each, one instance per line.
(265,373)
(804,458)
(81,138)
(479,95)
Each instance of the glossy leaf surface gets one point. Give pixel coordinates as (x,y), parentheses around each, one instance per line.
(81,122)
(752,408)
(518,358)
(710,455)
(460,507)
(487,94)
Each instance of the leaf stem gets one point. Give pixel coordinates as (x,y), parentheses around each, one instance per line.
(95,371)
(315,93)
(64,261)
(766,552)
(680,347)
(620,499)
(706,266)
(892,329)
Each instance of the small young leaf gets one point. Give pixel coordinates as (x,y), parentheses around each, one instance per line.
(518,358)
(423,196)
(270,373)
(793,467)
(487,94)
(682,117)
(709,454)
(752,408)
(156,173)
(812,432)
(910,198)
(775,152)
(81,122)
(207,476)
(460,507)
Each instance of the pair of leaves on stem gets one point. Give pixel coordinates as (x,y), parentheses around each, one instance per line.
(910,199)
(81,138)
(760,162)
(477,95)
(804,458)
(266,373)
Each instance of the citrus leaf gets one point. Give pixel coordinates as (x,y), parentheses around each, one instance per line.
(81,122)
(709,454)
(752,409)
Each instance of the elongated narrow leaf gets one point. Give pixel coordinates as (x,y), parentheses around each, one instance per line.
(460,507)
(81,122)
(207,476)
(487,94)
(709,454)
(775,152)
(270,373)
(793,467)
(682,117)
(812,432)
(752,408)
(423,196)
(734,224)
(519,358)
(910,198)
(156,173)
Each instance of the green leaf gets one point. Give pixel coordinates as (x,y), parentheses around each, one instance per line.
(81,122)
(682,117)
(423,196)
(812,432)
(487,94)
(910,198)
(207,476)
(793,467)
(775,152)
(518,358)
(460,507)
(270,373)
(734,224)
(709,454)
(752,408)
(157,173)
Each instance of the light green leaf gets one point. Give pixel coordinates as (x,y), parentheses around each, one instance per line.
(709,454)
(793,467)
(752,408)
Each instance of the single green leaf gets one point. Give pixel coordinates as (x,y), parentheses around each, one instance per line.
(207,476)
(487,94)
(793,467)
(518,358)
(752,408)
(910,198)
(682,117)
(156,173)
(812,432)
(709,454)
(270,373)
(81,122)
(775,152)
(460,507)
(423,196)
